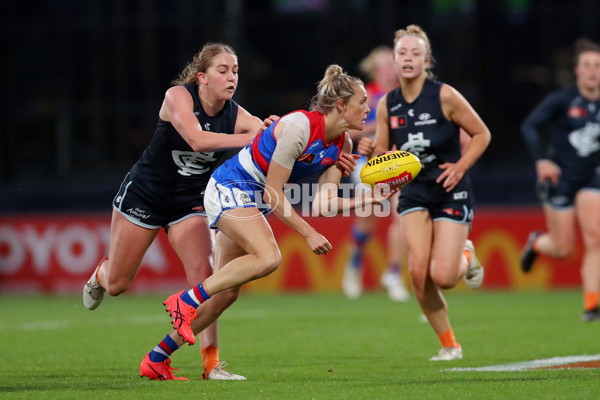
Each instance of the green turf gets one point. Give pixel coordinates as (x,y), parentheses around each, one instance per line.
(287,344)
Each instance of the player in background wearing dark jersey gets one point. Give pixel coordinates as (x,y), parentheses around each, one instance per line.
(299,145)
(379,67)
(198,121)
(424,116)
(568,172)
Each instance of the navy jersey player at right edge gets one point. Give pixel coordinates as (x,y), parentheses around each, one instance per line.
(568,173)
(425,117)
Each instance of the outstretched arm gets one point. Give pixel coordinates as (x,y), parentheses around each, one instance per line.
(457,109)
(546,169)
(292,136)
(178,108)
(327,203)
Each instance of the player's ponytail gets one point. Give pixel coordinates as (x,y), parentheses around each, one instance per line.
(336,84)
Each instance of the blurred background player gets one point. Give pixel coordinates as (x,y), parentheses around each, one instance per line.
(424,117)
(568,172)
(165,188)
(378,66)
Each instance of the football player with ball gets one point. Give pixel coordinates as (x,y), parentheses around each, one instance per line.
(300,145)
(424,117)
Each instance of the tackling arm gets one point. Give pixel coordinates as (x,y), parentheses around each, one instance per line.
(178,109)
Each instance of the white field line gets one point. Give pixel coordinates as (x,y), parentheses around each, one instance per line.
(52,325)
(527,365)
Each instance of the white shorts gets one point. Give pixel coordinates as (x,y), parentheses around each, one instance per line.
(219,198)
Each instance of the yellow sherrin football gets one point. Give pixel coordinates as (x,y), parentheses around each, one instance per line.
(393,168)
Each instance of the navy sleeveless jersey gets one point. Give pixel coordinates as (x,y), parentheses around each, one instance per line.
(421,128)
(169,171)
(574,126)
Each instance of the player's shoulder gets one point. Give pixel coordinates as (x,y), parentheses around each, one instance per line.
(178,92)
(299,117)
(449,95)
(560,97)
(566,94)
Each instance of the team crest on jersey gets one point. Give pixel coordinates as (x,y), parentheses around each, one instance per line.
(576,112)
(327,161)
(192,163)
(307,158)
(398,121)
(586,139)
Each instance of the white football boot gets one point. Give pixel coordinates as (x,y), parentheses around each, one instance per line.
(474,275)
(93,293)
(448,354)
(393,283)
(219,374)
(352,281)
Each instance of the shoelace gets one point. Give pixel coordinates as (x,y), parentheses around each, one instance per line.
(187,315)
(221,365)
(93,290)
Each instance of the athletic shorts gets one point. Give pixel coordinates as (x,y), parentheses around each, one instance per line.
(562,196)
(219,198)
(460,211)
(139,209)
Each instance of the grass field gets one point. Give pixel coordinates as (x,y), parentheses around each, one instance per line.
(286,346)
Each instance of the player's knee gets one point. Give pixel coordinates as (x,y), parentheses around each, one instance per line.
(443,282)
(269,261)
(591,238)
(198,273)
(418,275)
(443,274)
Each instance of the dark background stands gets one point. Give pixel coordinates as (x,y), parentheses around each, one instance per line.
(82,82)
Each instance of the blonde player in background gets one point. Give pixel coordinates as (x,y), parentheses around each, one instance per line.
(424,116)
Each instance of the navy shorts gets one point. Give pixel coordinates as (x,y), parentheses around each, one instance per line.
(562,196)
(460,211)
(141,210)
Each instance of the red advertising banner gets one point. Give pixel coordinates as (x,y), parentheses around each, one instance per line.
(57,253)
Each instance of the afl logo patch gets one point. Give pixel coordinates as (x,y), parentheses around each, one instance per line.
(398,122)
(327,161)
(576,112)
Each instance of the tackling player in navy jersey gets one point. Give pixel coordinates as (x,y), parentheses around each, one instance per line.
(297,146)
(568,172)
(198,121)
(425,117)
